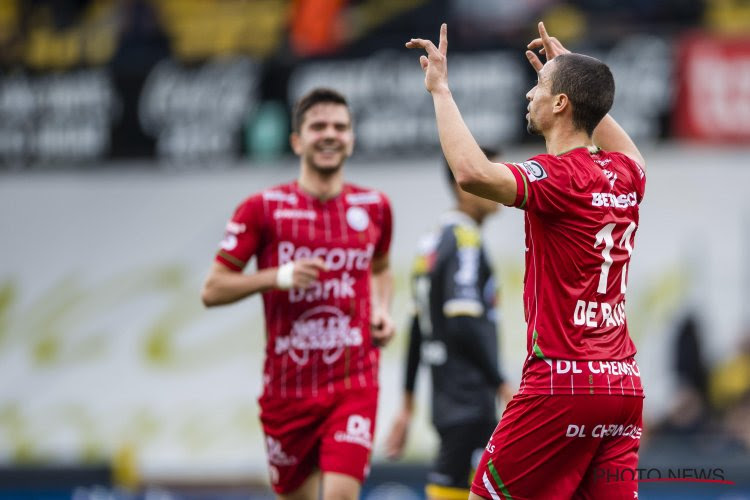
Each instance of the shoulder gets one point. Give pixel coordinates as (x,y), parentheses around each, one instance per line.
(284,193)
(255,204)
(541,167)
(622,159)
(358,195)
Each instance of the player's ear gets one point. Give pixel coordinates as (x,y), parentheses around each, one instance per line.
(561,103)
(294,141)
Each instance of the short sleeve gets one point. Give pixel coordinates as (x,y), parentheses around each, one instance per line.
(386,228)
(541,189)
(639,176)
(242,235)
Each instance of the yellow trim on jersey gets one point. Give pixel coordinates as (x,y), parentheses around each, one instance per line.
(421,265)
(435,492)
(467,237)
(462,307)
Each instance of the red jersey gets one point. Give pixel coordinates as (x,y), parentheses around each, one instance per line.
(581,219)
(318,338)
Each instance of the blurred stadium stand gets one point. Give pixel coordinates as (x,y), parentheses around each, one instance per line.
(141,107)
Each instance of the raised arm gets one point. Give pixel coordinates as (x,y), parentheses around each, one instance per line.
(608,135)
(471,168)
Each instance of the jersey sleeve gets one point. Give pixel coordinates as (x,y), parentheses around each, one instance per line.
(242,235)
(541,189)
(638,173)
(386,228)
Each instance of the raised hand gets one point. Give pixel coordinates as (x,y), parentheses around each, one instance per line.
(435,63)
(547,45)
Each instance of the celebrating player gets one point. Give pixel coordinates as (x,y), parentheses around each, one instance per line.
(322,255)
(573,429)
(455,326)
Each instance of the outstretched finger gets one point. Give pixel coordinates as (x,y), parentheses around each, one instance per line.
(534,44)
(443,43)
(534,61)
(427,45)
(546,41)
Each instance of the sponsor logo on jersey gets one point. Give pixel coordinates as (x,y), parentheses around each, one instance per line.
(613,200)
(357,218)
(369,198)
(277,456)
(289,213)
(323,328)
(534,170)
(611,176)
(564,366)
(336,258)
(358,431)
(601,431)
(290,198)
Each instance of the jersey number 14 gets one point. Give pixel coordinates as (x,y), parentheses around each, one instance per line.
(605,237)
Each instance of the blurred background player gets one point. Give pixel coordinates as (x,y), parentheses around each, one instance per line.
(322,255)
(454,330)
(578,413)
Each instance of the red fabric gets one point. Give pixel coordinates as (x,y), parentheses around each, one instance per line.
(563,447)
(581,212)
(564,377)
(318,339)
(331,432)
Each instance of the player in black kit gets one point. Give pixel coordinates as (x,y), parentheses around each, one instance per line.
(454,330)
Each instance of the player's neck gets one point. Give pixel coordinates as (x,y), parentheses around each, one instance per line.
(475,214)
(321,185)
(563,140)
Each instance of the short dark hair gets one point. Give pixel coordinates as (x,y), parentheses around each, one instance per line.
(488,152)
(315,96)
(589,85)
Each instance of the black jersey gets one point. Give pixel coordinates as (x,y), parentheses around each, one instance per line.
(454,328)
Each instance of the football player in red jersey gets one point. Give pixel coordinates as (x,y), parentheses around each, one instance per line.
(321,246)
(573,430)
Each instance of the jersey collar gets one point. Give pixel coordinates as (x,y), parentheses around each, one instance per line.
(458,217)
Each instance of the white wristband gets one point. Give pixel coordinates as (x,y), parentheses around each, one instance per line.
(285,276)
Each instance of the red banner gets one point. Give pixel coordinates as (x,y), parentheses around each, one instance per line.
(713,101)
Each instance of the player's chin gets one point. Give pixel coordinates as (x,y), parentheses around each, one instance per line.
(328,165)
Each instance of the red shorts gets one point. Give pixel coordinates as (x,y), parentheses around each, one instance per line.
(583,446)
(332,433)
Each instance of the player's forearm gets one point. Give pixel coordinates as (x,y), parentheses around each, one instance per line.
(471,168)
(610,136)
(382,290)
(413,356)
(227,287)
(407,403)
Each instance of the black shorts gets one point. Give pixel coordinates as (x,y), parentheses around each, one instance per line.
(461,447)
